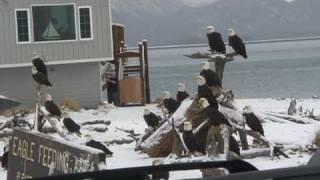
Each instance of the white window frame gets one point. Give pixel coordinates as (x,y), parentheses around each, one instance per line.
(57,41)
(29,25)
(91,22)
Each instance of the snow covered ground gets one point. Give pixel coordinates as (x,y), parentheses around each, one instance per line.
(131,118)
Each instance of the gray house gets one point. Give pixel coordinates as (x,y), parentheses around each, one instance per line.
(73,35)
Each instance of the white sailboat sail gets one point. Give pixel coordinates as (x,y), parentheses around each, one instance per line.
(50,32)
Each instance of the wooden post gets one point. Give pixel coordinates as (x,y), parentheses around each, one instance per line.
(146,71)
(243,140)
(117,70)
(141,73)
(219,68)
(37,120)
(116,66)
(220,63)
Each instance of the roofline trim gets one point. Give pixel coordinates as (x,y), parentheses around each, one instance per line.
(58,62)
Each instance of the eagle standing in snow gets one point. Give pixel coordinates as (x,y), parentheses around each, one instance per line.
(189,138)
(212,78)
(39,64)
(151,119)
(71,126)
(169,103)
(205,92)
(216,118)
(40,78)
(97,145)
(215,41)
(4,159)
(181,94)
(237,44)
(51,107)
(252,121)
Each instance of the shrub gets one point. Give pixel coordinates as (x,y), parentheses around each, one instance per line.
(316,139)
(71,104)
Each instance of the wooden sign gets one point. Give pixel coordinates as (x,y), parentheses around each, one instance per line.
(32,154)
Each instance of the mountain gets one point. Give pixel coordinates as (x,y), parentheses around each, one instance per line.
(171,22)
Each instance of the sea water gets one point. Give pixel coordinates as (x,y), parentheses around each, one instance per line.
(272,70)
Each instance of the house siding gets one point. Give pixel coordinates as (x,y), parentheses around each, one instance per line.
(79,81)
(98,48)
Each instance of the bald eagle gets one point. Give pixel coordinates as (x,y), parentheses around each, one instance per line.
(71,126)
(40,66)
(215,41)
(169,103)
(151,119)
(205,92)
(237,44)
(51,107)
(97,145)
(4,159)
(189,138)
(216,118)
(181,94)
(40,78)
(211,77)
(252,121)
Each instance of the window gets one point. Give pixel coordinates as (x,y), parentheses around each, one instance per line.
(22,26)
(53,23)
(85,22)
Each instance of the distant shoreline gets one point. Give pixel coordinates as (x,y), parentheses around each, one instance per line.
(247,42)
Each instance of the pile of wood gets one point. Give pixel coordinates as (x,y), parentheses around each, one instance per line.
(159,143)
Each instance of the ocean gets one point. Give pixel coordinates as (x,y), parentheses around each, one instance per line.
(273,70)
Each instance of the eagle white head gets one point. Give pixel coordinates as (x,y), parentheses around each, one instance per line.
(66,115)
(205,65)
(232,32)
(34,70)
(211,29)
(146,112)
(88,137)
(200,80)
(35,55)
(203,103)
(48,97)
(166,95)
(187,126)
(181,87)
(247,110)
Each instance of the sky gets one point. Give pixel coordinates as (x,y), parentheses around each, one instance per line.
(196,3)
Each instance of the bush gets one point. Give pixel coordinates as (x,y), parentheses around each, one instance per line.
(71,104)
(316,139)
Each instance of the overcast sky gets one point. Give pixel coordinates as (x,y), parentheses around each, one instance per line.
(196,3)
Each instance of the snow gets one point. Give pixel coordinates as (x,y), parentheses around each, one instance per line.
(131,118)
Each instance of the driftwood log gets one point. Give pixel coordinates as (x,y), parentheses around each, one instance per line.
(159,144)
(55,124)
(291,118)
(264,152)
(96,122)
(119,142)
(6,133)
